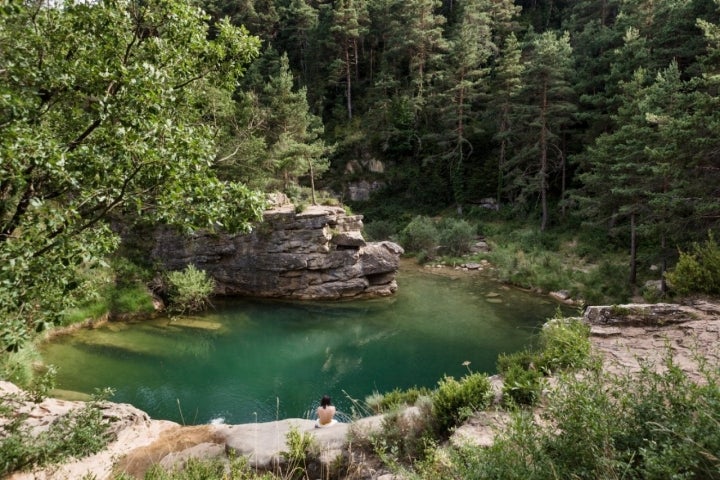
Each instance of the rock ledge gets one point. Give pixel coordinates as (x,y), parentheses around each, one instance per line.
(318,254)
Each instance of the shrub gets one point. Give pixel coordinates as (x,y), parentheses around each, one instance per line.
(655,424)
(406,434)
(456,236)
(190,290)
(601,285)
(79,433)
(397,398)
(698,271)
(522,385)
(564,343)
(454,401)
(302,448)
(18,367)
(420,236)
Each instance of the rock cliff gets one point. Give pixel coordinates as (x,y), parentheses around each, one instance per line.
(317,254)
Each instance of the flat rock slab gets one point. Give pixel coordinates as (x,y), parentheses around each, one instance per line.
(634,335)
(263,444)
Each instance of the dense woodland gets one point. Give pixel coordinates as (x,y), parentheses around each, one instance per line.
(596,114)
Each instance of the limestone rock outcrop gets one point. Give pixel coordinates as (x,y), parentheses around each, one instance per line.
(317,254)
(634,336)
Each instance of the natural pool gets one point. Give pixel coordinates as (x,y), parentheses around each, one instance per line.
(258,360)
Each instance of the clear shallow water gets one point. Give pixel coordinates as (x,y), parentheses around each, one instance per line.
(254,360)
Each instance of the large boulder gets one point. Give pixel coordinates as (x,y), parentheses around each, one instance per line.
(317,254)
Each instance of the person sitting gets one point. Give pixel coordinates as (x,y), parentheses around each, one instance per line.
(325,413)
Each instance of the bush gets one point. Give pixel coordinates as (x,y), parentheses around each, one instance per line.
(454,401)
(302,449)
(190,290)
(602,284)
(698,271)
(79,433)
(564,343)
(456,236)
(406,434)
(380,403)
(656,424)
(522,380)
(420,236)
(18,367)
(204,469)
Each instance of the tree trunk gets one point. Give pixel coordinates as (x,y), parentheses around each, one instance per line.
(312,182)
(543,160)
(633,250)
(504,127)
(663,266)
(561,152)
(348,79)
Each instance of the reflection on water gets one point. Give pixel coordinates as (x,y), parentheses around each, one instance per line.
(258,360)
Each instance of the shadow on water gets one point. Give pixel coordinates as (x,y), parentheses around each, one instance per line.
(259,360)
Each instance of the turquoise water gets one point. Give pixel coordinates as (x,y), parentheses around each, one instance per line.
(259,360)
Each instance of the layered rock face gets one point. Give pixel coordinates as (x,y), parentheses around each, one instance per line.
(317,254)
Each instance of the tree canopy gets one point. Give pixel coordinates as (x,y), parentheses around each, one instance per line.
(104,112)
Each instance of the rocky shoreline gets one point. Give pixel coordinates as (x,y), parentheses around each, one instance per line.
(627,337)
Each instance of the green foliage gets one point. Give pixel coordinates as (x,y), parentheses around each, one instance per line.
(396,398)
(455,400)
(455,236)
(563,344)
(657,424)
(205,469)
(103,115)
(698,271)
(302,447)
(189,289)
(79,433)
(380,230)
(522,384)
(420,236)
(117,289)
(18,367)
(132,299)
(42,384)
(406,435)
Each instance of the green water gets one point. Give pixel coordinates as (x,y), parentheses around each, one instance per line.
(254,360)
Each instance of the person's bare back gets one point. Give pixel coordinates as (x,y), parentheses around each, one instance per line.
(325,412)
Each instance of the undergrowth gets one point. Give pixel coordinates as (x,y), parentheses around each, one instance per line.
(651,425)
(79,433)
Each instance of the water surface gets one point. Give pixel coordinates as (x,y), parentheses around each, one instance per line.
(259,360)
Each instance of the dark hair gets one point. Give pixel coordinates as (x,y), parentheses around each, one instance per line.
(325,401)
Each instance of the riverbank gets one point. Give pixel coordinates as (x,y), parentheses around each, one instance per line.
(628,338)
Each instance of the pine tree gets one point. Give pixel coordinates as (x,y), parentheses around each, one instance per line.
(416,43)
(298,22)
(504,102)
(348,26)
(548,110)
(293,134)
(462,83)
(637,174)
(594,37)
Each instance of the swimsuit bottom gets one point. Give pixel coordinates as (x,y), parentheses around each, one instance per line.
(319,425)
